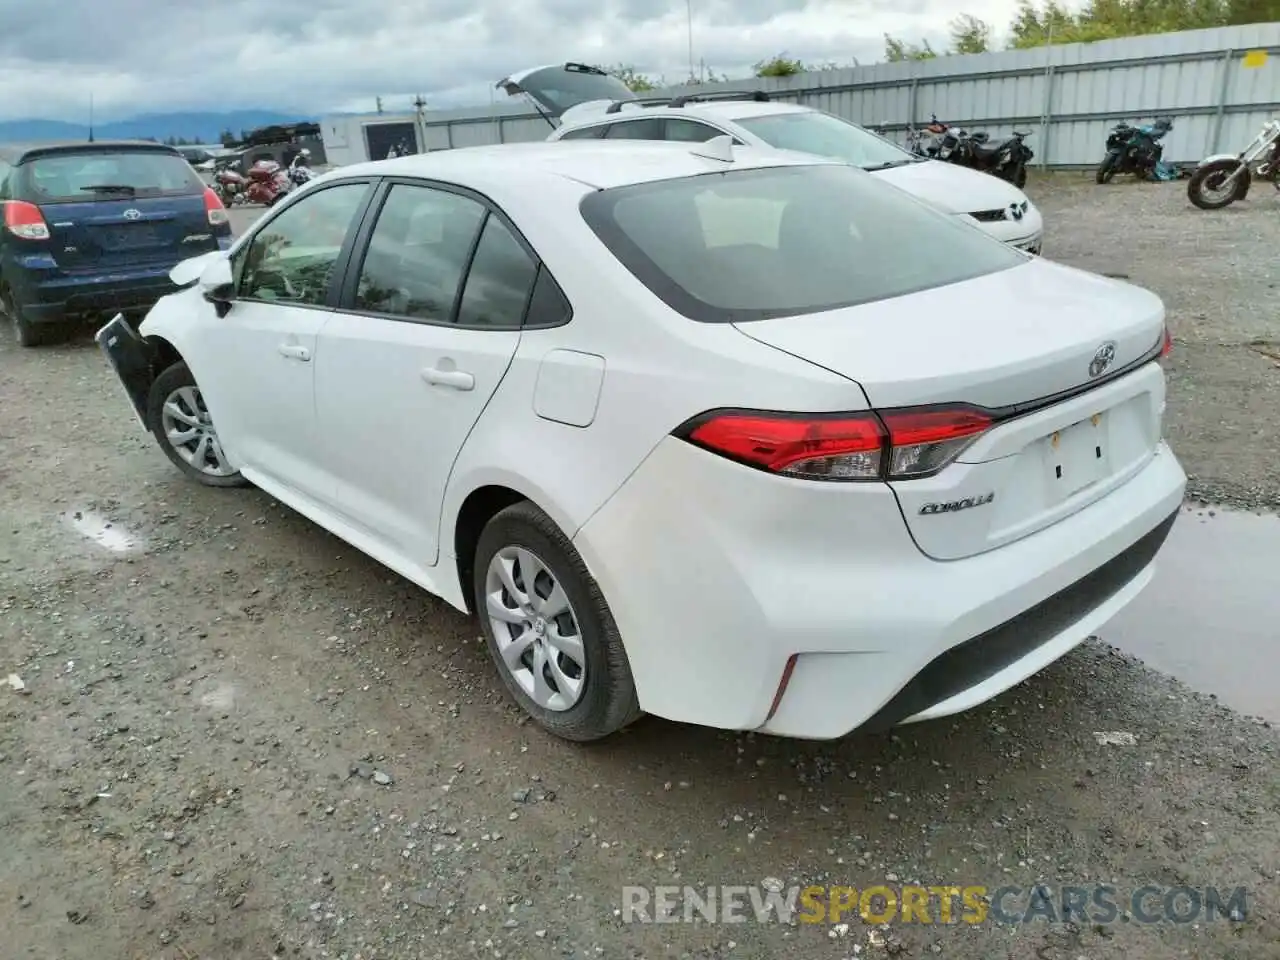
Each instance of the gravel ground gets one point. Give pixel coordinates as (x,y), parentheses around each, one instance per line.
(239,738)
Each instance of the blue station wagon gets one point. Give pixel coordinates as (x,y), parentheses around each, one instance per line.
(94,228)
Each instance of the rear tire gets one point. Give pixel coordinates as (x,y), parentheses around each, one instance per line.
(606,699)
(177,390)
(27,333)
(1106,169)
(1207,175)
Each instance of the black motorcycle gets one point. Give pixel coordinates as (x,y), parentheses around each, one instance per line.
(1136,150)
(1006,159)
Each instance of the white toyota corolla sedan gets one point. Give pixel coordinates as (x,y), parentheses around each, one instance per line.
(735,438)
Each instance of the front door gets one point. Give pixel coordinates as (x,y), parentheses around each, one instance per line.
(261,388)
(405,370)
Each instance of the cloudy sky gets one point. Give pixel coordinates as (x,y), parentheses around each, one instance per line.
(313,56)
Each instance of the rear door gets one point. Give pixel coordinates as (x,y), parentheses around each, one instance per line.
(432,318)
(113,208)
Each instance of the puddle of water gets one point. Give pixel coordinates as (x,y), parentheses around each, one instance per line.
(1211,616)
(105,533)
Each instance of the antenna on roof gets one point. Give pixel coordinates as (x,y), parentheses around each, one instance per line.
(717,148)
(91,118)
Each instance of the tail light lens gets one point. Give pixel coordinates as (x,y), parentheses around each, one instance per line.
(25,220)
(213,206)
(885,445)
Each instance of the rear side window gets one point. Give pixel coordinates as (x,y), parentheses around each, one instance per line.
(650,128)
(99,175)
(584,133)
(781,241)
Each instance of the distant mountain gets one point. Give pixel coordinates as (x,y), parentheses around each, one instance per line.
(193,127)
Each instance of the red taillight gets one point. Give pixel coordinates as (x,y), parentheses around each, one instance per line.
(25,220)
(890,445)
(1166,348)
(213,206)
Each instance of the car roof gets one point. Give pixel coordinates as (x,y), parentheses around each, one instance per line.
(18,152)
(597,164)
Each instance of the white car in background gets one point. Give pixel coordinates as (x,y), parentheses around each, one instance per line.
(589,104)
(734,437)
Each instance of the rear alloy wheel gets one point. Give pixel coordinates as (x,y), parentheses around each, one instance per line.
(182,426)
(549,629)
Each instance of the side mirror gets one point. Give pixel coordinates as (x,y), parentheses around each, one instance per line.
(218,285)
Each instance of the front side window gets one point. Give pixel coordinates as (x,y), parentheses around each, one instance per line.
(824,135)
(691,131)
(291,259)
(418,252)
(83,175)
(781,241)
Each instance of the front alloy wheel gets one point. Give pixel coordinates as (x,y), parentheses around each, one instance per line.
(184,428)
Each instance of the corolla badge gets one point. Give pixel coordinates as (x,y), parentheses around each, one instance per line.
(952,506)
(1102,360)
(132,214)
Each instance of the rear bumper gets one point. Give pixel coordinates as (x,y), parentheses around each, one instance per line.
(53,295)
(717,579)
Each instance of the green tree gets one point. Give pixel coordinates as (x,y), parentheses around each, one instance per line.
(970,35)
(896,51)
(1038,22)
(636,81)
(226,138)
(779,65)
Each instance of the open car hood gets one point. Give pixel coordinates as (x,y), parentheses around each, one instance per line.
(558,87)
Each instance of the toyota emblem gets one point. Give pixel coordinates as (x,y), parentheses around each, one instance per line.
(132,214)
(1016,210)
(1102,360)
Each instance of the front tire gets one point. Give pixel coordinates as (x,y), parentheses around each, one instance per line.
(549,629)
(1020,176)
(1107,168)
(1210,176)
(181,424)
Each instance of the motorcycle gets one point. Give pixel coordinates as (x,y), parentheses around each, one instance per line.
(300,171)
(1136,150)
(1221,180)
(916,143)
(1006,159)
(228,183)
(268,182)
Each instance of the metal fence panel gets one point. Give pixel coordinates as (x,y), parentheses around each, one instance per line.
(1068,96)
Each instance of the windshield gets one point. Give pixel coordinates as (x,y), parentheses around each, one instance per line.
(827,136)
(780,241)
(88,175)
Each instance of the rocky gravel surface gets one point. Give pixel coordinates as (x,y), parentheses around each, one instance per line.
(225,734)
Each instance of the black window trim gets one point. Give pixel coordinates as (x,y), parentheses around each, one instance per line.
(360,241)
(340,266)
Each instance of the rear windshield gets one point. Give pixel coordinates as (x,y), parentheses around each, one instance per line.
(827,136)
(114,175)
(781,241)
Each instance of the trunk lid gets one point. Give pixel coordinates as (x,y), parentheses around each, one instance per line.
(1039,344)
(107,233)
(559,87)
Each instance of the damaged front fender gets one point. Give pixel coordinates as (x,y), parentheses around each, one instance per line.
(133,360)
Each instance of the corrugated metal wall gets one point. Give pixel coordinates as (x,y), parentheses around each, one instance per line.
(1218,85)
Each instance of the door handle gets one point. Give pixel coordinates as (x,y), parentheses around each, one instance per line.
(294,352)
(458,379)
